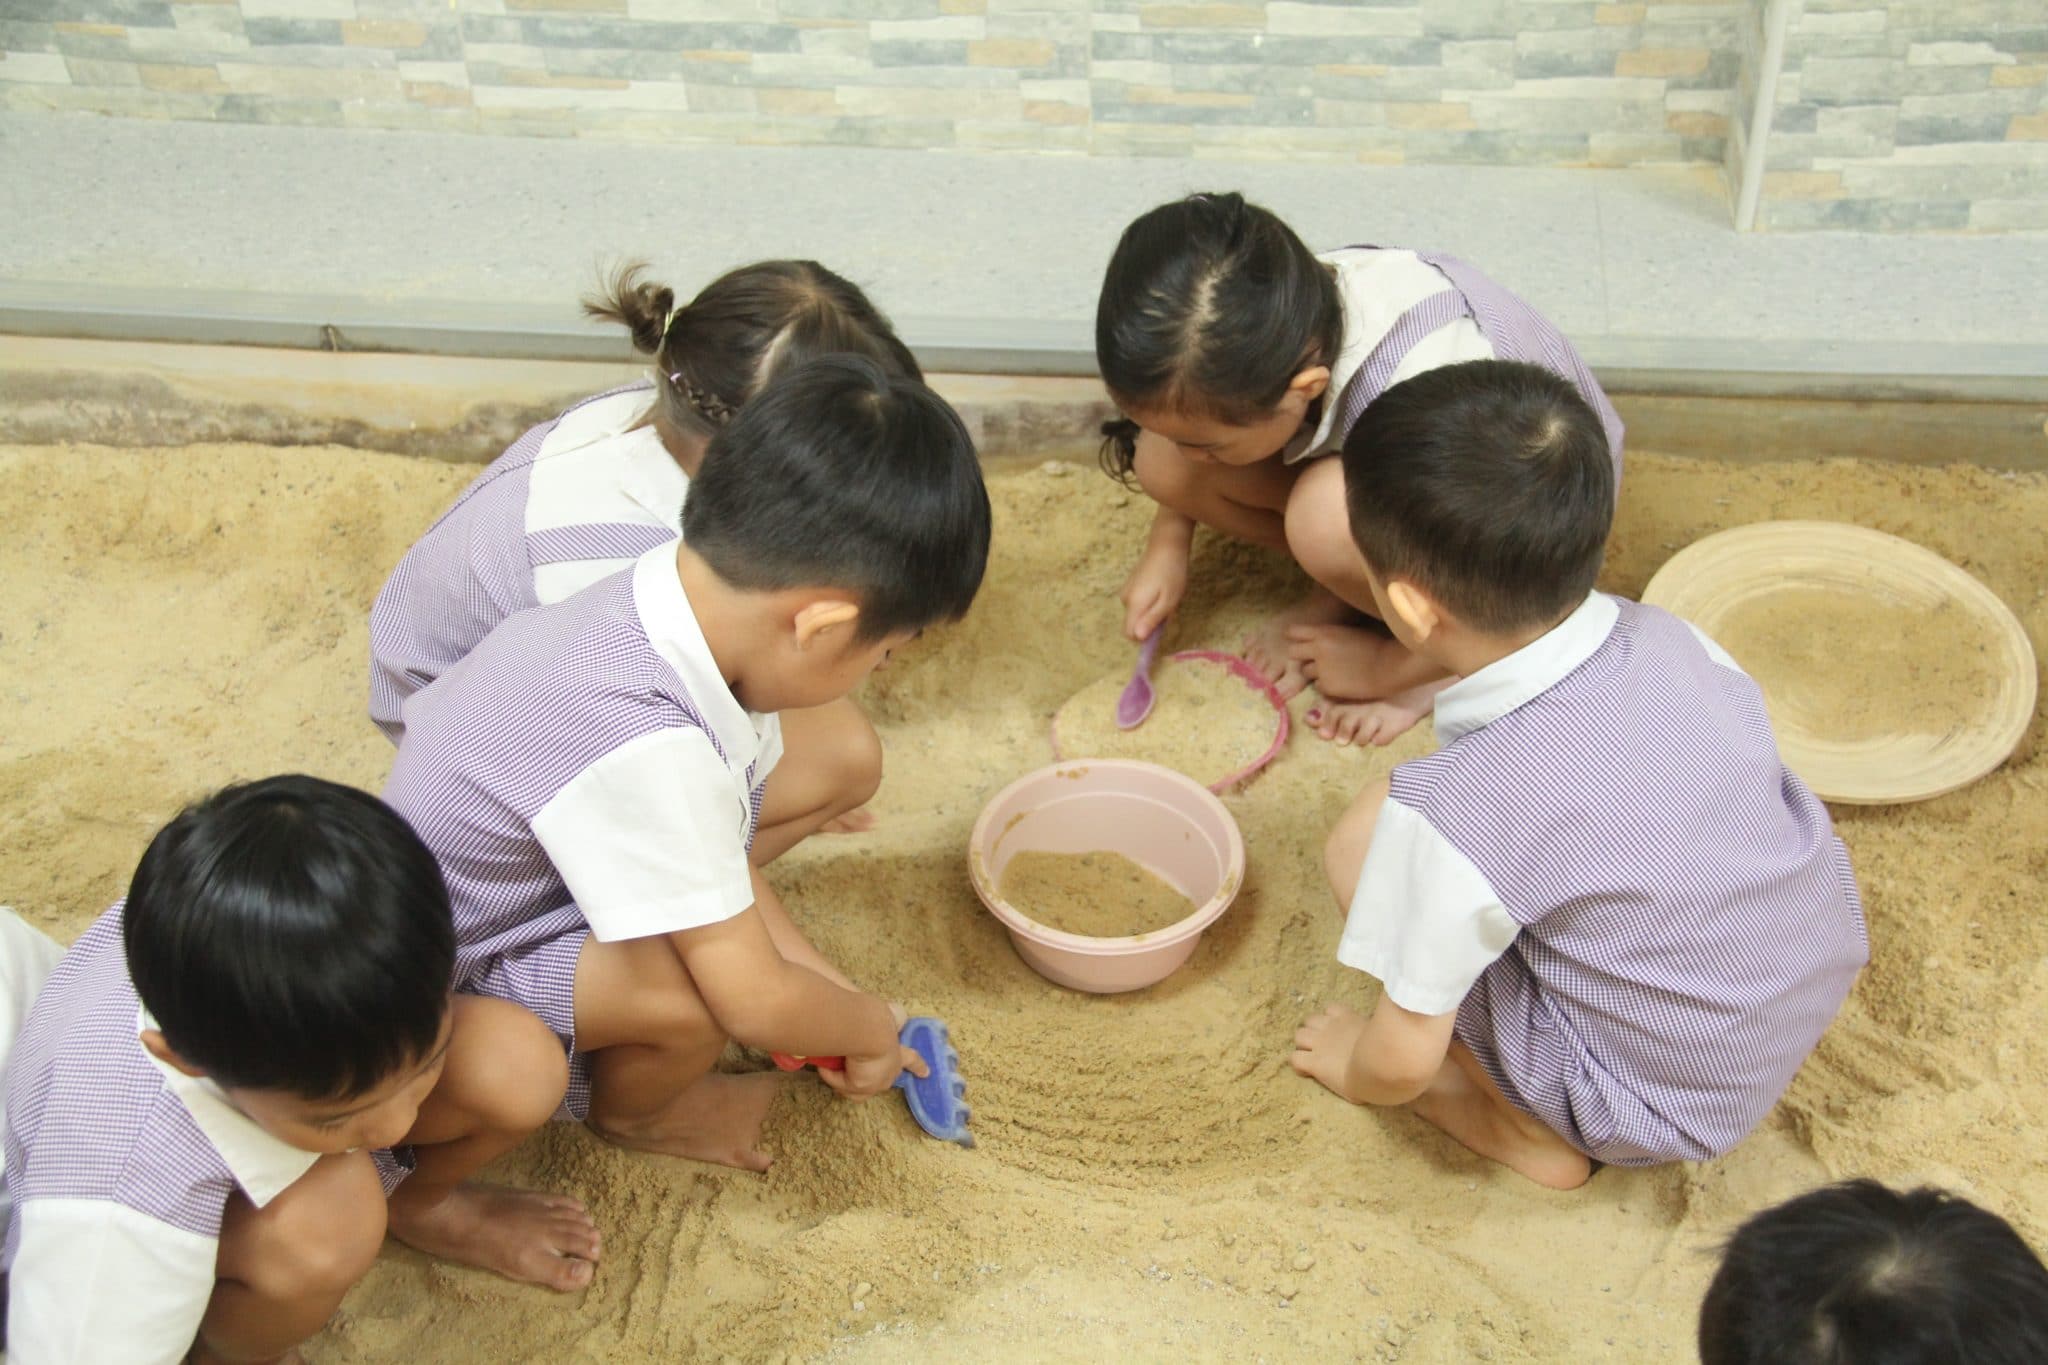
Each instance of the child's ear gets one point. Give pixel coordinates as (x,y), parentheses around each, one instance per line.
(153,1043)
(1417,610)
(1310,384)
(815,618)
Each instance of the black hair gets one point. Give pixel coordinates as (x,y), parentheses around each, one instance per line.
(1210,306)
(292,934)
(1858,1274)
(842,475)
(722,347)
(1489,485)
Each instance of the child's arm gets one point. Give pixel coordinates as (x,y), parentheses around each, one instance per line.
(1160,578)
(764,1000)
(1389,1057)
(789,940)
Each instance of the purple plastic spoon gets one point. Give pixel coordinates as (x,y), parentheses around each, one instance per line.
(1136,702)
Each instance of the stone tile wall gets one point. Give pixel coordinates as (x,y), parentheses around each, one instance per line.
(1916,114)
(1920,113)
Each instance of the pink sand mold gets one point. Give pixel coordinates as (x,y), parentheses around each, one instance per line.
(1250,677)
(1150,814)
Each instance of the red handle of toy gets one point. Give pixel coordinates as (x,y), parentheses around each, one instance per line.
(786,1062)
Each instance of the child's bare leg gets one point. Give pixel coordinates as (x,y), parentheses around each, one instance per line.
(1246,501)
(653,1044)
(504,1078)
(831,765)
(1348,663)
(282,1270)
(1344,851)
(1465,1103)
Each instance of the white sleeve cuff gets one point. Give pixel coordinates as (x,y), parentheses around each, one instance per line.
(1424,920)
(97,1283)
(651,838)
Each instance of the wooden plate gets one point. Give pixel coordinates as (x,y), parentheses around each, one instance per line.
(1913,612)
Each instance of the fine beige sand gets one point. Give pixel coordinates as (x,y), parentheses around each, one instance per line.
(1100,894)
(1206,720)
(1152,1182)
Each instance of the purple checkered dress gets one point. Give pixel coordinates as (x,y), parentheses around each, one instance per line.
(492,744)
(475,566)
(1514,329)
(1688,921)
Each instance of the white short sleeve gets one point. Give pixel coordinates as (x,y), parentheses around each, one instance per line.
(98,1283)
(1424,920)
(651,838)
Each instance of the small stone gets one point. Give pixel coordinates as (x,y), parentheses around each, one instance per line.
(859,1307)
(1289,1290)
(863,1289)
(1230,1239)
(1304,1261)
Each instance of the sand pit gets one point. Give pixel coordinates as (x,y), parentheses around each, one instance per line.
(1151,1180)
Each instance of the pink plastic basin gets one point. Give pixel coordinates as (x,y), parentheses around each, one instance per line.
(1152,815)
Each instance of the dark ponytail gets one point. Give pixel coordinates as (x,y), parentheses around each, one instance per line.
(722,347)
(1210,306)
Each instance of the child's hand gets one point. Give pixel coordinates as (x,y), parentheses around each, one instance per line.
(866,1077)
(1155,588)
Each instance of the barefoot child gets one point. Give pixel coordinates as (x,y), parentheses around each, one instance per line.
(193,1103)
(1241,360)
(580,496)
(1857,1274)
(1608,922)
(591,775)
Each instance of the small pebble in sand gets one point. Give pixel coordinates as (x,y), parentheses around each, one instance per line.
(863,1289)
(1304,1261)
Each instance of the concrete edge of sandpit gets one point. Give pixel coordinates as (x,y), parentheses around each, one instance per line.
(467,407)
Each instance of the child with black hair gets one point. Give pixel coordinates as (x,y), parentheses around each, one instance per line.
(202,1103)
(1239,358)
(584,494)
(591,775)
(1858,1274)
(1608,922)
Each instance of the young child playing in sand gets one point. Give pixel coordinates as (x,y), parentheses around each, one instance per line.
(1857,1274)
(591,775)
(1240,359)
(193,1103)
(579,497)
(1608,922)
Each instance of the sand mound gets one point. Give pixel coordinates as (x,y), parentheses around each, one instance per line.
(1151,1180)
(1206,721)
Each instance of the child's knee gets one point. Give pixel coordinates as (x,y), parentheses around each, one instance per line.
(321,1235)
(1317,523)
(1164,475)
(511,1071)
(1344,851)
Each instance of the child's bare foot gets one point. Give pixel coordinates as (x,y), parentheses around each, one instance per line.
(1373,722)
(718,1119)
(859,820)
(524,1235)
(1267,648)
(1346,662)
(1323,1046)
(1465,1103)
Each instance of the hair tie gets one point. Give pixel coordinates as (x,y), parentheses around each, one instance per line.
(670,320)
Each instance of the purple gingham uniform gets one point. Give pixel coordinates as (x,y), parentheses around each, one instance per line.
(475,566)
(490,745)
(1686,922)
(88,1114)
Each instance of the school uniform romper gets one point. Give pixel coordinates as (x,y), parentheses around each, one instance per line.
(1642,918)
(573,500)
(1406,312)
(584,771)
(120,1167)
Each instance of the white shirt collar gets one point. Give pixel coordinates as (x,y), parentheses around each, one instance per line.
(262,1165)
(672,629)
(1526,674)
